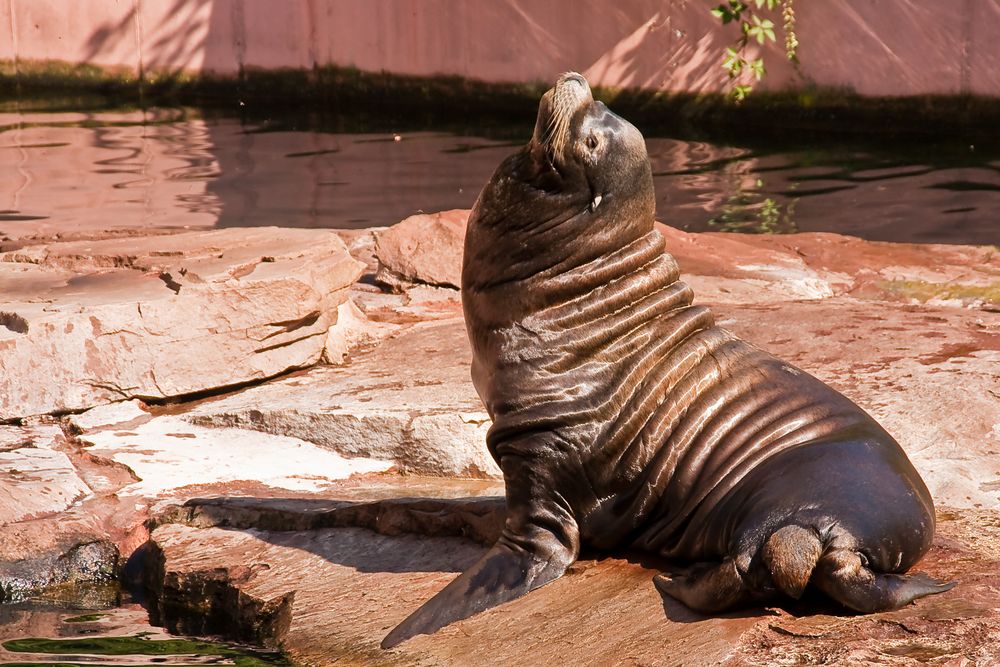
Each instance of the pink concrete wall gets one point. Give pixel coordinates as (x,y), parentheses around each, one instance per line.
(875,47)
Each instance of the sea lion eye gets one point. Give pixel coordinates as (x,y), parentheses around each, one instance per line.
(591,142)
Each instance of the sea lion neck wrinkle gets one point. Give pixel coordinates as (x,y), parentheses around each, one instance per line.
(554,206)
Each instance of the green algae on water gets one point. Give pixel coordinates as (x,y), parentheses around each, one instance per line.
(138,645)
(84,618)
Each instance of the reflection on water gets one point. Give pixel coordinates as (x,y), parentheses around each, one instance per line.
(60,634)
(80,172)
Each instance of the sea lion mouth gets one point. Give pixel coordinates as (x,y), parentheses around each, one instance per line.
(555,113)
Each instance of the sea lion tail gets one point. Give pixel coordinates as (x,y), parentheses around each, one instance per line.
(791,554)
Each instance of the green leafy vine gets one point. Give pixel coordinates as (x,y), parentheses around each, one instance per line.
(754,25)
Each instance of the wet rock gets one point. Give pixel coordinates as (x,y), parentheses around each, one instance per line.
(54,535)
(422,249)
(226,603)
(50,634)
(91,322)
(55,573)
(347,587)
(409,400)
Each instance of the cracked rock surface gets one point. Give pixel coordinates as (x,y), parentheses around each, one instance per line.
(408,400)
(83,323)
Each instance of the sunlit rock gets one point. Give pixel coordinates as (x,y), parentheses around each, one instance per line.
(90,322)
(408,400)
(36,479)
(424,248)
(339,589)
(168,454)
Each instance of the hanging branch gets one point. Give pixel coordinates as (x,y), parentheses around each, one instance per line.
(754,25)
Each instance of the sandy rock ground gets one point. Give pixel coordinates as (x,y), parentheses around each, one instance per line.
(278,429)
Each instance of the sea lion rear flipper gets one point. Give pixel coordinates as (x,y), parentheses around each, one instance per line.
(504,573)
(843,576)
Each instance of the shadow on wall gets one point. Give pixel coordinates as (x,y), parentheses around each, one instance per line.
(896,47)
(172,38)
(640,43)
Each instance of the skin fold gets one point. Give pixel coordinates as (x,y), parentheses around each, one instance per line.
(623,418)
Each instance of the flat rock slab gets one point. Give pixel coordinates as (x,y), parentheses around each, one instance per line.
(409,400)
(390,505)
(168,455)
(84,323)
(331,594)
(35,478)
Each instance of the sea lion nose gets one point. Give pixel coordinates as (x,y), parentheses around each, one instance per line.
(573,77)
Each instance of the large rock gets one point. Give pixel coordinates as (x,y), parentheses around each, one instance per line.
(71,505)
(927,374)
(90,322)
(409,400)
(330,594)
(423,249)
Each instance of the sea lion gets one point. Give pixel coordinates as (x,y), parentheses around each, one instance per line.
(624,418)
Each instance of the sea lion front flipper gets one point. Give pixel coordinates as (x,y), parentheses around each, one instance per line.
(504,573)
(843,575)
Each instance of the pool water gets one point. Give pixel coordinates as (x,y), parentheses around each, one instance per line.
(78,171)
(33,633)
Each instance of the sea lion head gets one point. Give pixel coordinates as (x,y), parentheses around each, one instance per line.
(580,137)
(581,188)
